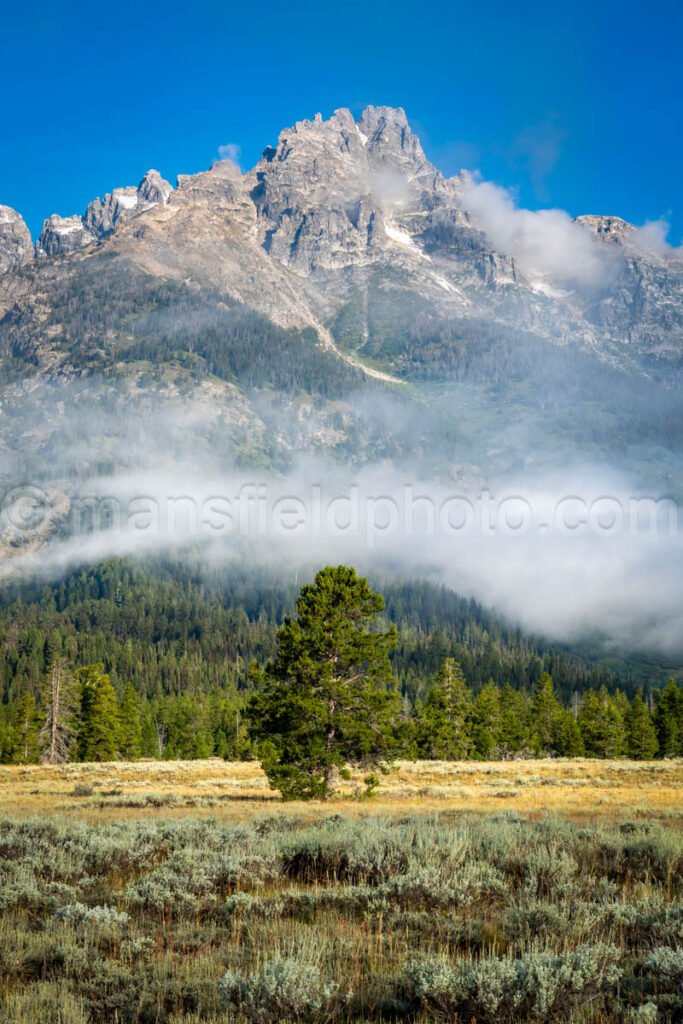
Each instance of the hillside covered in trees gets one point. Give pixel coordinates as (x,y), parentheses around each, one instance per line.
(162,658)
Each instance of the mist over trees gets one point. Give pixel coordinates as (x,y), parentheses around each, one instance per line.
(126,662)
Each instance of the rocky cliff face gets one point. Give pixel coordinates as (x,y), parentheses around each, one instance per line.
(16,247)
(346,227)
(62,235)
(337,193)
(273,312)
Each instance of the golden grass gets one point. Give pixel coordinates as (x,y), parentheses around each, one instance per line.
(575,788)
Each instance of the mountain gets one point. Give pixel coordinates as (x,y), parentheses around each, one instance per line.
(342,297)
(15,240)
(62,235)
(346,227)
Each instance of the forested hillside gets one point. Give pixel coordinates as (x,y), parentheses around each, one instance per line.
(170,627)
(180,645)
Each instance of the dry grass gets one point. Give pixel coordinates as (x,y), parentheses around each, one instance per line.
(154,920)
(575,788)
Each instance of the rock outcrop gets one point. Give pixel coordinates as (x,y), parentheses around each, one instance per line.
(61,235)
(16,247)
(103,215)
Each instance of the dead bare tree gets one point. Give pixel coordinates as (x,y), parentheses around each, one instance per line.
(60,704)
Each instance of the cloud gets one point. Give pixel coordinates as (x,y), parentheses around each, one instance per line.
(537,149)
(547,244)
(651,238)
(559,554)
(230,151)
(389,187)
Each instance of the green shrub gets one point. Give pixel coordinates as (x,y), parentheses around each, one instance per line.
(82,789)
(79,914)
(537,986)
(645,1014)
(285,988)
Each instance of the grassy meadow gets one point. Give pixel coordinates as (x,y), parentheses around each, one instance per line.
(495,893)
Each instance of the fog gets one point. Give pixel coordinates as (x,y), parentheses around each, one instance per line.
(527,475)
(545,243)
(583,553)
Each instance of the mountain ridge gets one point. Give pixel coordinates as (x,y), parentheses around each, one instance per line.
(343,254)
(341,208)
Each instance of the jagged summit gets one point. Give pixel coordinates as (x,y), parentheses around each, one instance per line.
(61,235)
(609,229)
(391,142)
(344,226)
(366,162)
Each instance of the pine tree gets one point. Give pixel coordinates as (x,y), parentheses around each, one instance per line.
(445,727)
(487,721)
(546,716)
(130,724)
(515,712)
(641,735)
(328,698)
(602,725)
(6,738)
(568,738)
(99,722)
(669,720)
(26,731)
(59,709)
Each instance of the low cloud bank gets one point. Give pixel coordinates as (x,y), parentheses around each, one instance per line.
(575,555)
(547,244)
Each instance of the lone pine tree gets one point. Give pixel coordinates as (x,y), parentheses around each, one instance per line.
(328,698)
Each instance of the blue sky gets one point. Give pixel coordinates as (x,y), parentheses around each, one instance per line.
(575,105)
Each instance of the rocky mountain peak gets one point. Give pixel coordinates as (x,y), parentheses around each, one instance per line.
(103,215)
(61,235)
(391,142)
(607,229)
(153,189)
(329,194)
(16,247)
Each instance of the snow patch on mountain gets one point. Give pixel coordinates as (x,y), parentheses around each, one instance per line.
(407,241)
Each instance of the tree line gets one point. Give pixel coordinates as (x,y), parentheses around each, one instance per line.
(172,627)
(329,695)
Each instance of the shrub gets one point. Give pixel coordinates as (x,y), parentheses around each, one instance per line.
(79,914)
(663,970)
(285,988)
(82,789)
(539,986)
(645,1014)
(666,963)
(346,852)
